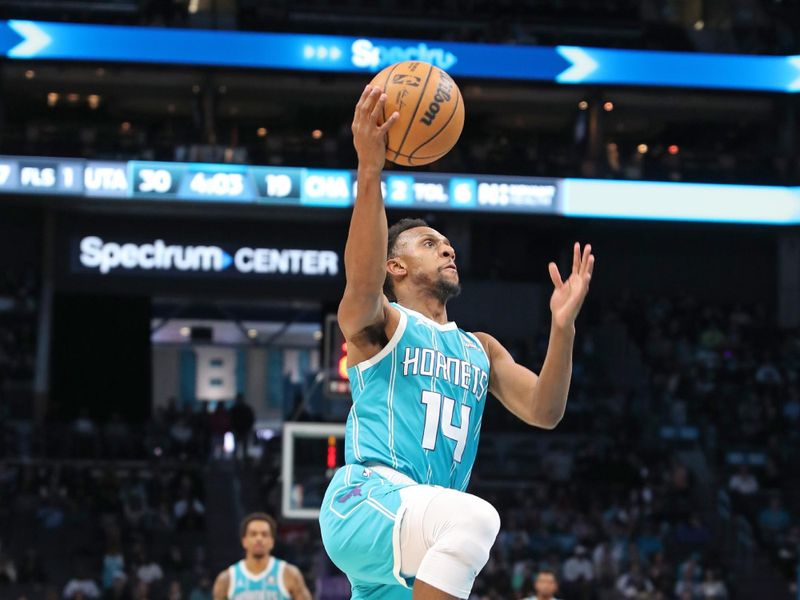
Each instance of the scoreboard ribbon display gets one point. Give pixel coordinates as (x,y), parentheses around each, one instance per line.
(336,189)
(37,40)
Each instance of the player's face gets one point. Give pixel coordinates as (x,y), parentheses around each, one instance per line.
(430,260)
(258,540)
(546,585)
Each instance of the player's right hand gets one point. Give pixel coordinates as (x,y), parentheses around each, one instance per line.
(369,130)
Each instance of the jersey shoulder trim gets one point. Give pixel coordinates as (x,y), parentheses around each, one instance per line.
(281,580)
(449,326)
(231,580)
(387,349)
(477,343)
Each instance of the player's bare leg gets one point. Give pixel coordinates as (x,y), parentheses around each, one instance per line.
(423,591)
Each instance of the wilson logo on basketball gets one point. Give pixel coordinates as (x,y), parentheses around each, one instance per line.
(442,95)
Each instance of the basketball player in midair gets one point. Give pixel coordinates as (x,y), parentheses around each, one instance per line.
(260,576)
(396,518)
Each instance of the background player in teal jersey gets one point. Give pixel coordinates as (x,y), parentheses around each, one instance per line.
(260,576)
(395,518)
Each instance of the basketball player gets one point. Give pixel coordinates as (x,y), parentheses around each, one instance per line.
(396,518)
(546,586)
(260,576)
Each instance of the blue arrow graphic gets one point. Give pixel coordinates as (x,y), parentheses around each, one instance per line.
(227,260)
(583,65)
(34,39)
(795,62)
(9,38)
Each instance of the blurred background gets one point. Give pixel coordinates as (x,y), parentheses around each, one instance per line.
(171,239)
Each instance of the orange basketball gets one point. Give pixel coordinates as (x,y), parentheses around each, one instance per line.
(431,112)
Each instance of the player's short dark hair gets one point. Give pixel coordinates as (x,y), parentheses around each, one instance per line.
(258,516)
(391,251)
(548,572)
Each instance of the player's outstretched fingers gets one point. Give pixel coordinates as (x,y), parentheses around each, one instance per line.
(576,258)
(587,252)
(377,113)
(389,122)
(555,275)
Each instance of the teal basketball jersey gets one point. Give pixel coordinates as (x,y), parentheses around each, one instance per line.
(267,585)
(418,403)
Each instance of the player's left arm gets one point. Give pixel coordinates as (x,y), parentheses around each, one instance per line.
(295,584)
(540,400)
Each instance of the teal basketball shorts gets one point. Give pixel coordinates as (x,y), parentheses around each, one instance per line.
(360,522)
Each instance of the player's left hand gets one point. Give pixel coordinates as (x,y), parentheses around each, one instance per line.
(567,298)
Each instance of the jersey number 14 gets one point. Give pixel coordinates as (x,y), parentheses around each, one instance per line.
(439,409)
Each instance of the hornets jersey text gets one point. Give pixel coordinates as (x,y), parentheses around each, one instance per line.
(267,585)
(418,403)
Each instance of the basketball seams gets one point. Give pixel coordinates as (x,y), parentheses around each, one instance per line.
(441,129)
(416,108)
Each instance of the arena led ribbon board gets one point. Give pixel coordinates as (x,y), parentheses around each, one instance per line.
(65,178)
(36,40)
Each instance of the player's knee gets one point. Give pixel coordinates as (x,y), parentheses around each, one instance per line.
(487,521)
(474,531)
(480,518)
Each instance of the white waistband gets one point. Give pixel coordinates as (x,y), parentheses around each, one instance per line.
(390,474)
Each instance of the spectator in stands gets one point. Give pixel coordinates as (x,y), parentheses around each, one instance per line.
(578,574)
(141,591)
(202,589)
(174,592)
(148,570)
(713,588)
(181,436)
(660,572)
(220,424)
(119,589)
(242,421)
(691,566)
(604,563)
(773,519)
(113,563)
(189,511)
(649,542)
(634,583)
(791,409)
(135,510)
(687,586)
(81,585)
(546,586)
(743,482)
(692,533)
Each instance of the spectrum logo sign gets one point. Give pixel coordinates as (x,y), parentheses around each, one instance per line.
(107,257)
(366,55)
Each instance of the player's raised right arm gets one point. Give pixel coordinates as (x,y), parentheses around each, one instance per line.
(365,252)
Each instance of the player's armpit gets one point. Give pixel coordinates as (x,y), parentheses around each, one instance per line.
(295,584)
(360,310)
(513,384)
(221,586)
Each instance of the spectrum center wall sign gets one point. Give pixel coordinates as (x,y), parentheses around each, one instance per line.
(93,254)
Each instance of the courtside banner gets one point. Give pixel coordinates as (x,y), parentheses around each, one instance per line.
(38,40)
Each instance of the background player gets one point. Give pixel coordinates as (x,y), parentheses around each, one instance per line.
(396,515)
(260,576)
(546,586)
